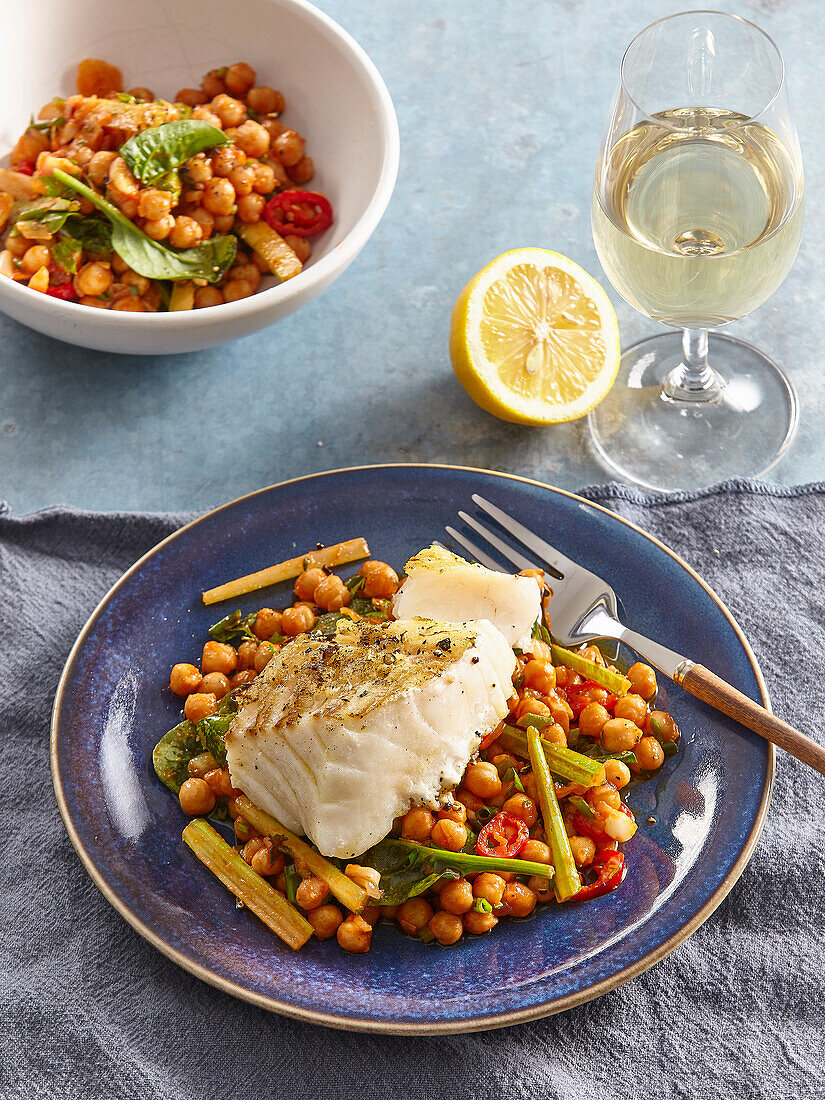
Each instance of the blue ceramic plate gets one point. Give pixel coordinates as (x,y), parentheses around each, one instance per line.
(707,804)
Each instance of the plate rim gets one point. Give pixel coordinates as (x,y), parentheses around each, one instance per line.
(437,1027)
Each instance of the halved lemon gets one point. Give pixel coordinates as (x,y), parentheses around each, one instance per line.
(534,338)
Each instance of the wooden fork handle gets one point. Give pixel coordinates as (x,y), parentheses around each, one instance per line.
(705,685)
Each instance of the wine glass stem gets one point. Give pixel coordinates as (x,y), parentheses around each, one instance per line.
(694,379)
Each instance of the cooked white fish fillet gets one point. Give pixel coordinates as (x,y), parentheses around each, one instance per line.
(440,585)
(338,736)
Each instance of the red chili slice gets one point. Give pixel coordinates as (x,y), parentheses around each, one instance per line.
(25,167)
(492,736)
(299,213)
(611,869)
(65,291)
(505,835)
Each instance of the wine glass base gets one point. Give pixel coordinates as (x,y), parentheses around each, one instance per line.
(658,443)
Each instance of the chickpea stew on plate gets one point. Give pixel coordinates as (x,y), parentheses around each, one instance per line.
(380,761)
(121,200)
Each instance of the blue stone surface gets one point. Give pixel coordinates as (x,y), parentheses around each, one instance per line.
(501,108)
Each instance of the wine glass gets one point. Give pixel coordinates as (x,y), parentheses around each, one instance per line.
(697,217)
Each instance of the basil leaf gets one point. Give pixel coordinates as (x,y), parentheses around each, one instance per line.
(153,153)
(149,258)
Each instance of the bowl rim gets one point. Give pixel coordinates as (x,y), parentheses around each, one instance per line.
(311,280)
(441,1027)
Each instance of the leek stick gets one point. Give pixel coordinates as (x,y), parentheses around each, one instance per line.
(612,681)
(351,895)
(567,880)
(570,765)
(255,892)
(339,554)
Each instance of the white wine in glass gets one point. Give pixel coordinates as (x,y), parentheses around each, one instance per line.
(697,217)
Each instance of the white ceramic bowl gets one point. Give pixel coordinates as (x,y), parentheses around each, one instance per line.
(334,94)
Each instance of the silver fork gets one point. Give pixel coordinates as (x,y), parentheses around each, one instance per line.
(584,609)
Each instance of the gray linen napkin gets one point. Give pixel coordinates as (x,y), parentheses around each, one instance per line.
(88,1009)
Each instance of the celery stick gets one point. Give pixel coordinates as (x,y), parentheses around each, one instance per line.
(612,681)
(238,877)
(567,882)
(351,895)
(570,765)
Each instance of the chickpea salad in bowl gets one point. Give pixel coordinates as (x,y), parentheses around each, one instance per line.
(122,200)
(415,750)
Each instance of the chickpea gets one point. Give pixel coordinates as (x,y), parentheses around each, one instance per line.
(196,797)
(273,126)
(307,582)
(542,888)
(198,705)
(450,835)
(119,265)
(414,915)
(239,78)
(207,296)
(541,676)
(325,920)
(605,796)
(230,111)
(246,676)
(236,289)
(198,169)
(219,657)
(246,271)
(446,927)
(583,849)
(121,178)
(265,100)
(93,279)
(129,304)
(456,896)
(296,620)
(418,824)
(519,899)
(482,779)
(536,851)
(479,923)
(192,97)
(18,246)
(354,934)
(661,724)
(490,887)
(530,705)
(263,179)
(252,138)
(642,680)
(303,171)
(98,167)
(34,258)
(242,177)
(649,754)
(380,580)
(99,303)
(455,812)
(184,679)
(263,655)
(620,735)
(471,803)
(617,773)
(566,677)
(311,892)
(555,735)
(139,283)
(300,246)
(30,146)
(561,712)
(154,203)
(244,831)
(289,147)
(213,83)
(267,861)
(633,707)
(216,683)
(250,208)
(186,234)
(332,594)
(219,197)
(371,914)
(160,228)
(523,807)
(593,719)
(267,622)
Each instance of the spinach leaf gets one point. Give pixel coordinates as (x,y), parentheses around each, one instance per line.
(94,234)
(293,881)
(49,212)
(326,625)
(149,258)
(404,872)
(355,583)
(173,752)
(65,252)
(596,752)
(153,154)
(234,625)
(213,729)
